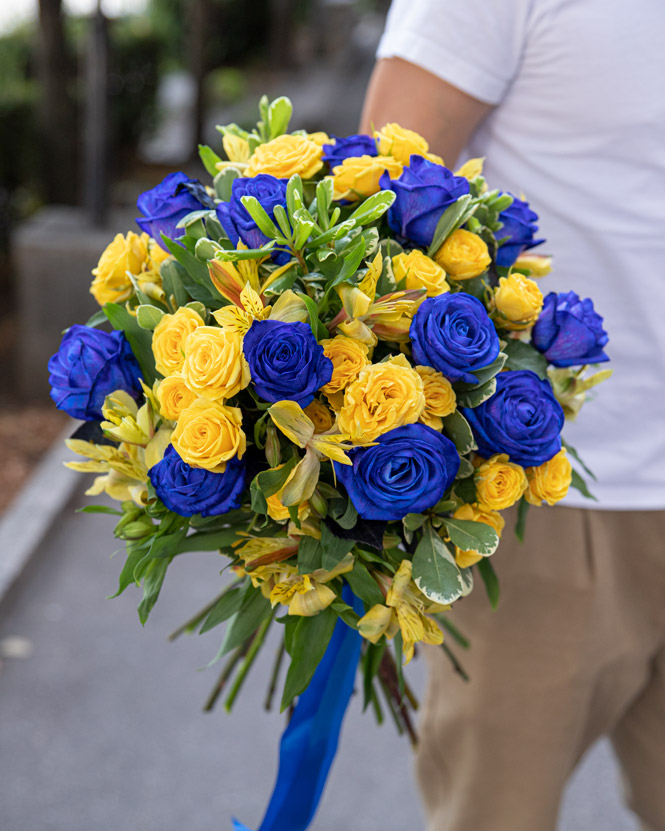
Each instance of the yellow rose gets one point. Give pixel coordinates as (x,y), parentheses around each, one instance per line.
(550,481)
(125,253)
(286,155)
(358,176)
(396,141)
(348,357)
(215,366)
(320,138)
(476,513)
(440,398)
(499,483)
(168,339)
(518,300)
(208,434)
(320,416)
(421,272)
(463,255)
(384,396)
(174,396)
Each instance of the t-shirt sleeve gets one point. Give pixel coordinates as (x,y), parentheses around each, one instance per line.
(475,45)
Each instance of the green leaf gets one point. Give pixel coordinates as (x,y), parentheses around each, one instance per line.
(319,330)
(255,209)
(195,278)
(459,431)
(227,605)
(579,484)
(472,536)
(257,499)
(485,374)
(452,218)
(294,196)
(434,569)
(346,612)
(310,555)
(324,197)
(466,468)
(413,521)
(490,580)
(271,481)
(209,159)
(520,526)
(279,115)
(98,509)
(153,580)
(310,640)
(172,282)
(334,548)
(148,316)
(212,541)
(136,551)
(223,183)
(363,585)
(373,207)
(349,518)
(139,339)
(476,396)
(253,610)
(97,319)
(577,458)
(525,356)
(465,489)
(371,663)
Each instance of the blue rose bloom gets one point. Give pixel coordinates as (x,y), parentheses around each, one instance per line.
(520,226)
(89,365)
(235,218)
(424,190)
(191,490)
(166,204)
(348,147)
(522,419)
(285,361)
(569,331)
(407,471)
(453,334)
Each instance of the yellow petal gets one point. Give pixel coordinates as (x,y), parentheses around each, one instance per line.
(471,168)
(400,584)
(289,417)
(302,480)
(368,283)
(310,603)
(289,308)
(343,567)
(375,623)
(275,275)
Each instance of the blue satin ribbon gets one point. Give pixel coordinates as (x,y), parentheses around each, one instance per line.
(309,743)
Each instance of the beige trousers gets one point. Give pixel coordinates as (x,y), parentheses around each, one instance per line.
(575,650)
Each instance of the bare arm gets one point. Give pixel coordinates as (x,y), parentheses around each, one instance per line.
(403,92)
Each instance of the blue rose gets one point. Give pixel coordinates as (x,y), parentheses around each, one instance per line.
(285,361)
(191,490)
(407,471)
(235,218)
(166,204)
(424,190)
(522,419)
(453,333)
(89,365)
(348,147)
(520,226)
(569,332)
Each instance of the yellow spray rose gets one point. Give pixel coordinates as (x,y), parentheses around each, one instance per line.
(214,365)
(550,481)
(440,398)
(384,396)
(396,141)
(348,357)
(286,155)
(499,483)
(476,513)
(358,176)
(463,255)
(320,415)
(518,300)
(168,339)
(125,254)
(208,434)
(174,396)
(421,272)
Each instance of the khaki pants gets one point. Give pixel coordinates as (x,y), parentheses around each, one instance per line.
(575,650)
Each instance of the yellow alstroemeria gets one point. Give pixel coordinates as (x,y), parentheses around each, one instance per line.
(471,168)
(386,318)
(230,278)
(289,308)
(537,265)
(239,318)
(571,387)
(368,283)
(125,420)
(307,594)
(263,559)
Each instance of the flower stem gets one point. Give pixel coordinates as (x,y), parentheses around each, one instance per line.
(274,676)
(255,644)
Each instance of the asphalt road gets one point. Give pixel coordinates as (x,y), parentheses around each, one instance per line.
(101,726)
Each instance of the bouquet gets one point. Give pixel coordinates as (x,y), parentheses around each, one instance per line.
(334,366)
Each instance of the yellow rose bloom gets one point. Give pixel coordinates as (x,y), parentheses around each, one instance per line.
(518,300)
(214,365)
(320,415)
(550,481)
(320,138)
(476,513)
(396,141)
(420,272)
(499,483)
(348,357)
(358,176)
(463,255)
(125,254)
(168,339)
(384,396)
(286,155)
(208,434)
(440,398)
(174,396)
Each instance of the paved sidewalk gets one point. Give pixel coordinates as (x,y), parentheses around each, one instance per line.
(101,729)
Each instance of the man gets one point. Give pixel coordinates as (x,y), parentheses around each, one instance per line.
(566,100)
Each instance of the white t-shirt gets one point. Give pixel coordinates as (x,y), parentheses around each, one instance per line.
(579,127)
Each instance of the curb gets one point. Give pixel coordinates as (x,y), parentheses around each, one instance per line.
(34,509)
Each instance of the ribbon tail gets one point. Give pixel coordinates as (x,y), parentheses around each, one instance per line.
(309,743)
